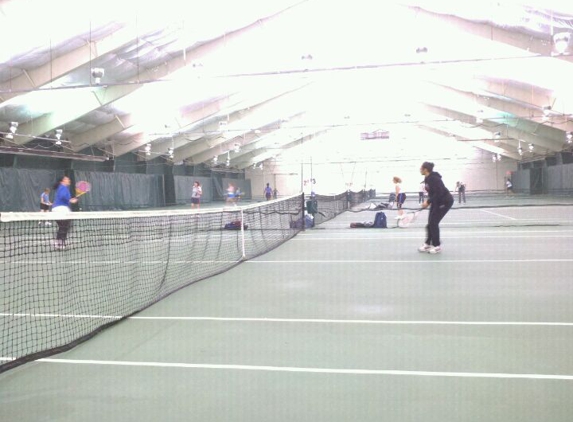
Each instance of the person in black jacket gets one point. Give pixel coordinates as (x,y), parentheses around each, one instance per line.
(440,200)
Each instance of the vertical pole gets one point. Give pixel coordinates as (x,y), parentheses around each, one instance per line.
(303,205)
(243,234)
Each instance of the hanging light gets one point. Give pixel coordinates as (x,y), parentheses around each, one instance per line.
(215,159)
(12,130)
(531,147)
(496,136)
(237,147)
(148,148)
(569,137)
(97,74)
(170,152)
(561,43)
(59,136)
(546,113)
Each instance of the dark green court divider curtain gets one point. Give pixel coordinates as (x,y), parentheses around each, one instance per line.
(121,191)
(184,186)
(244,185)
(567,176)
(552,179)
(20,189)
(521,181)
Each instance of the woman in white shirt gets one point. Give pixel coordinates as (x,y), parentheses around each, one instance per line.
(400,197)
(196,194)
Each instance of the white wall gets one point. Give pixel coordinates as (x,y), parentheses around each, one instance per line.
(473,166)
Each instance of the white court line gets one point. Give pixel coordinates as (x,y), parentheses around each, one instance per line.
(499,215)
(305,321)
(443,237)
(437,260)
(376,232)
(86,263)
(30,315)
(431,260)
(307,370)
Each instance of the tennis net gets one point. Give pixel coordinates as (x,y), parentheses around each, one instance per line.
(57,291)
(478,209)
(326,207)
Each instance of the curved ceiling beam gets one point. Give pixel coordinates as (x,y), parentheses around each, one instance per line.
(120,123)
(491,32)
(274,110)
(506,151)
(105,95)
(32,79)
(260,155)
(524,130)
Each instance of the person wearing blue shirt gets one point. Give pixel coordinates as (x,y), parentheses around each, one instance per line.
(268,192)
(61,205)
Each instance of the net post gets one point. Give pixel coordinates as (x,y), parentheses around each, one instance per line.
(243,234)
(303,208)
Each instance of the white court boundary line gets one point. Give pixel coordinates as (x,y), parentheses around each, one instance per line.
(467,236)
(432,260)
(499,215)
(299,320)
(337,371)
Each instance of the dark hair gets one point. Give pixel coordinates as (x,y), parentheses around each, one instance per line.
(59,181)
(428,166)
(198,184)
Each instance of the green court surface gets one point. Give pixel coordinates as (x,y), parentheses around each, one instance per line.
(340,324)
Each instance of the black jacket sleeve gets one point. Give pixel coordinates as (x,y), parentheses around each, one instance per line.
(437,191)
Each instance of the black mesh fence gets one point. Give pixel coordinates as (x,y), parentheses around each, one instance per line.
(64,280)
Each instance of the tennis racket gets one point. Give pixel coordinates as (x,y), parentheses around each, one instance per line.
(408,218)
(82,187)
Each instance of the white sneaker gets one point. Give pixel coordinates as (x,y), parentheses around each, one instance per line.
(58,244)
(48,224)
(435,249)
(399,217)
(424,248)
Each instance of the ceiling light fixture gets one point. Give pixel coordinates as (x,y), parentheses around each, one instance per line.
(561,42)
(569,137)
(546,112)
(496,136)
(531,147)
(97,74)
(58,136)
(12,130)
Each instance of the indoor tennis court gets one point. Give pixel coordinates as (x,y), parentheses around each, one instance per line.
(341,324)
(286,210)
